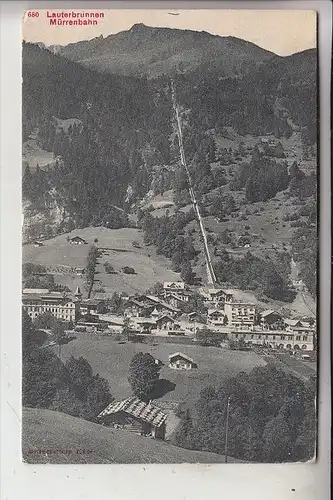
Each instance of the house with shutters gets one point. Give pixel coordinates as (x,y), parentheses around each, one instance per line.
(216,317)
(180,361)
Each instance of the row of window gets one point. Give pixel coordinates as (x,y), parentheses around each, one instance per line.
(65,317)
(47,309)
(272,337)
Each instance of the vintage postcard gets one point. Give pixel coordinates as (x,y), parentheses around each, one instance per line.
(169,237)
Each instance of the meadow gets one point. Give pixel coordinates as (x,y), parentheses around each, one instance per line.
(117,244)
(54,437)
(111,360)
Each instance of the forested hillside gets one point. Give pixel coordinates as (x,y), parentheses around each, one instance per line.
(249,125)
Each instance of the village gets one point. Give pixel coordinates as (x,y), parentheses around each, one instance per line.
(163,315)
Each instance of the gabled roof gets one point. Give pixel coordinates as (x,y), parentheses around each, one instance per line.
(77,238)
(141,321)
(39,291)
(162,303)
(293,322)
(180,354)
(165,316)
(179,285)
(268,313)
(112,319)
(139,304)
(215,311)
(137,408)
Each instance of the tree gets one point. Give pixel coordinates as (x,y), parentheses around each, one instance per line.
(128,270)
(114,303)
(144,374)
(186,273)
(184,436)
(45,320)
(31,338)
(278,442)
(109,269)
(43,375)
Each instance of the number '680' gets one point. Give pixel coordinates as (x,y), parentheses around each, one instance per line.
(32,13)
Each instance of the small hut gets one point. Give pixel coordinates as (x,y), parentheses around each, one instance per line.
(135,415)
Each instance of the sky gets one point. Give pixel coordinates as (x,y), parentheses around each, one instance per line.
(283,32)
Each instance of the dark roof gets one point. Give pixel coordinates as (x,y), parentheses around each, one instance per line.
(91,302)
(137,408)
(77,238)
(180,355)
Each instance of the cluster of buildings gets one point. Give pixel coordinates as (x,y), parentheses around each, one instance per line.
(173,312)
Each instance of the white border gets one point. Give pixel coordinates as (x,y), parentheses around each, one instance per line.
(233,481)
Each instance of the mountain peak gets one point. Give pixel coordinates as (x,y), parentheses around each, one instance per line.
(138,26)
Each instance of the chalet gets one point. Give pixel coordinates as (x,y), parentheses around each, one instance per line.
(216,317)
(136,416)
(240,315)
(162,307)
(293,324)
(172,286)
(92,306)
(134,308)
(175,299)
(77,240)
(114,323)
(271,320)
(194,316)
(143,325)
(165,322)
(244,241)
(216,297)
(91,322)
(179,361)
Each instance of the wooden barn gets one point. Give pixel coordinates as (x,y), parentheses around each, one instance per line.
(136,416)
(180,361)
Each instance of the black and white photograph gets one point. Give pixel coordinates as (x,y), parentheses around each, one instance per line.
(169,236)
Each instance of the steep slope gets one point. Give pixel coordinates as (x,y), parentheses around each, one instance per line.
(54,437)
(154,52)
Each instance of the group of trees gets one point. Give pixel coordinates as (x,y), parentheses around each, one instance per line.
(167,234)
(253,273)
(122,129)
(262,177)
(37,276)
(69,387)
(305,240)
(305,252)
(272,418)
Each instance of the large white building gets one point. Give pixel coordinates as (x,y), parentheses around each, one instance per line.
(240,315)
(61,305)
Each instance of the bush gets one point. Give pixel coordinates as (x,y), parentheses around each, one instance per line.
(128,270)
(109,269)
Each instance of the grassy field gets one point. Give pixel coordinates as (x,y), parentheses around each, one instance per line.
(54,437)
(60,257)
(111,360)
